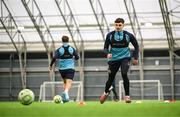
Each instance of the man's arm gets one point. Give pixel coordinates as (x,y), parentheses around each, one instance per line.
(106,44)
(136,49)
(76,56)
(53,60)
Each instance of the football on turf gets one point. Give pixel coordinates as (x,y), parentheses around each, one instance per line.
(26,96)
(57,99)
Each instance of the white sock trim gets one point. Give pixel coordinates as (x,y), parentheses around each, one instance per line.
(66,90)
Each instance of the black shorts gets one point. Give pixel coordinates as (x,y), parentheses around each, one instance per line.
(115,65)
(67,74)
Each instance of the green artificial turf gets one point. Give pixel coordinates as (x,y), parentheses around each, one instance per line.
(91,109)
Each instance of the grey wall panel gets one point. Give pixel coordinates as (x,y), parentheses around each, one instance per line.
(94,90)
(4,63)
(177,85)
(16,80)
(177,78)
(36,79)
(177,61)
(4,81)
(37,63)
(163,76)
(133,77)
(154,60)
(95,62)
(95,78)
(94,81)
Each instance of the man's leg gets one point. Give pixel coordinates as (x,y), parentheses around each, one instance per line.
(124,69)
(113,68)
(67,76)
(67,84)
(67,87)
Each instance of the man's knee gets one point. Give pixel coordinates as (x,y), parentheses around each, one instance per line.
(64,80)
(67,81)
(124,76)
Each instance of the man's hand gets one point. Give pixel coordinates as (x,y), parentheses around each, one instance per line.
(109,56)
(50,68)
(134,61)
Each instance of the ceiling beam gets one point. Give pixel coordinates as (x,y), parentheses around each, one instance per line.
(137,32)
(58,3)
(41,20)
(171,41)
(21,48)
(101,21)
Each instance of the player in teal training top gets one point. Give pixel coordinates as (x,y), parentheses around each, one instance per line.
(116,47)
(66,56)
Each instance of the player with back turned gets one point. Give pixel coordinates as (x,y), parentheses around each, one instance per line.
(66,56)
(116,47)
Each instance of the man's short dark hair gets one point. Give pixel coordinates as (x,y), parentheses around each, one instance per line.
(119,20)
(65,39)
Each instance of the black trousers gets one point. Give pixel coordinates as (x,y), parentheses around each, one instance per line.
(113,69)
